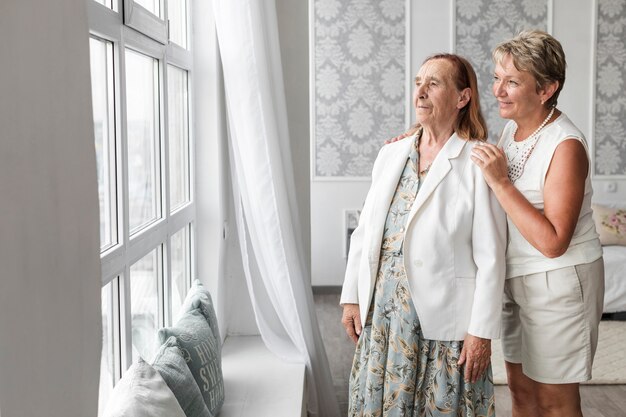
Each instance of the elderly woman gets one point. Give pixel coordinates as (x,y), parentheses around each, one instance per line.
(425,272)
(555,276)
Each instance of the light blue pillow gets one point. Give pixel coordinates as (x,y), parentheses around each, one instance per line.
(201,350)
(171,365)
(199,297)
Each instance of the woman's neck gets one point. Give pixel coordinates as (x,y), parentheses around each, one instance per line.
(435,137)
(528,125)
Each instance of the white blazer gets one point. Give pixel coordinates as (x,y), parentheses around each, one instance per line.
(454,247)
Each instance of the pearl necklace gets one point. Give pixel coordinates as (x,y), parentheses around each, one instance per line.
(522,149)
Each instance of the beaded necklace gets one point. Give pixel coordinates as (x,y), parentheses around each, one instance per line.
(420,173)
(522,149)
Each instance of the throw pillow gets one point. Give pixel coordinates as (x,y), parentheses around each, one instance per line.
(142,392)
(169,362)
(200,349)
(199,297)
(610,224)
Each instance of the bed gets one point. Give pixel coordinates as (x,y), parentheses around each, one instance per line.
(614,278)
(610,222)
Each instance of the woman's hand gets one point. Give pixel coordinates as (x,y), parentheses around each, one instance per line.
(351,320)
(397,138)
(476,355)
(492,162)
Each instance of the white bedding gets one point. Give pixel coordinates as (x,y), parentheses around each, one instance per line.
(614,278)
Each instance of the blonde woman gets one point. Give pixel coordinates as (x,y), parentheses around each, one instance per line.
(555,276)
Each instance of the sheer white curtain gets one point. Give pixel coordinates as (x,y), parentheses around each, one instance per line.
(264,192)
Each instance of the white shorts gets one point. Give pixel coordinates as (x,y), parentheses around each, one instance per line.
(550,322)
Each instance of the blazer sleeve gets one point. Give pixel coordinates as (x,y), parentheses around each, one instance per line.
(489,235)
(349,291)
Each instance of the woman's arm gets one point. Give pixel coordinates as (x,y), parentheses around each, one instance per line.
(351,318)
(549,232)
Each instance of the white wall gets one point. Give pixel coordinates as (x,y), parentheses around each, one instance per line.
(573,23)
(50,325)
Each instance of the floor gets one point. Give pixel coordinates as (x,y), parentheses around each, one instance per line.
(597,400)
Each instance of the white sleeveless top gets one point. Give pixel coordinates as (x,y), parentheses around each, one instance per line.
(521,257)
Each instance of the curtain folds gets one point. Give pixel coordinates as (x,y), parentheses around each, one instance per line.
(264,191)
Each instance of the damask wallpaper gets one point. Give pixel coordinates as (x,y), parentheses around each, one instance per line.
(359,75)
(480,26)
(610,117)
(359,61)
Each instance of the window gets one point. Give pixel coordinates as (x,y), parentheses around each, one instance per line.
(153,6)
(111,4)
(178,128)
(108,371)
(181,274)
(142,128)
(177,14)
(144,148)
(104,131)
(144,305)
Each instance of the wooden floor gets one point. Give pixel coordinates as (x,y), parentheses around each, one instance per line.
(597,400)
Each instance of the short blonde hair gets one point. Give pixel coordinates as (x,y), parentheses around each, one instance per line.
(538,53)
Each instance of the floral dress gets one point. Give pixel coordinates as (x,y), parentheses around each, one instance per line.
(396,372)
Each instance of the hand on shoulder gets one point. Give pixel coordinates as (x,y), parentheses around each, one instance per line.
(397,138)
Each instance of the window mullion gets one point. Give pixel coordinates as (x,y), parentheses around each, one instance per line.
(163,142)
(180,57)
(126,335)
(165,193)
(103,22)
(118,326)
(125,331)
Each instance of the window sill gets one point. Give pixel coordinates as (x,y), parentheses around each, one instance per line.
(257,383)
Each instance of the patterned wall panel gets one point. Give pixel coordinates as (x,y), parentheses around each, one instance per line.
(359,70)
(480,26)
(610,120)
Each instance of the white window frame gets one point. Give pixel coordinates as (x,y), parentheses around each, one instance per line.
(110,25)
(142,20)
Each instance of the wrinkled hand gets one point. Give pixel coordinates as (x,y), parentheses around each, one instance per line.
(351,320)
(476,355)
(492,162)
(397,138)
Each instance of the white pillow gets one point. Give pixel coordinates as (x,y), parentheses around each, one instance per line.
(142,392)
(610,224)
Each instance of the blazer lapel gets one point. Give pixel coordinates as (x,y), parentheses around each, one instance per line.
(438,171)
(385,190)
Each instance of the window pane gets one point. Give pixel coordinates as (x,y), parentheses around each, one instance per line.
(177,15)
(107,3)
(142,110)
(107,361)
(181,262)
(154,6)
(178,133)
(144,306)
(101,53)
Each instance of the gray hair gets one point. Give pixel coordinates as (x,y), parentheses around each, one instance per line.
(538,53)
